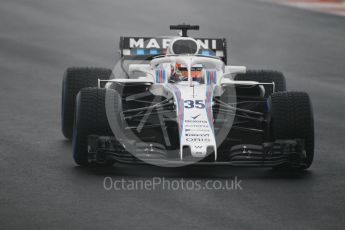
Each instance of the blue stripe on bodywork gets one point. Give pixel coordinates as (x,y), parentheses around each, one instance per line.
(208,104)
(160,75)
(211,74)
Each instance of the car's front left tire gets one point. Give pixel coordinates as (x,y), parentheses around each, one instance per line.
(292,118)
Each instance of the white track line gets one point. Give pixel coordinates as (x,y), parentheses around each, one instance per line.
(324,6)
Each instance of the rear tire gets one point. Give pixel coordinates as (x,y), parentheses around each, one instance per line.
(74,80)
(265,76)
(291,118)
(91,119)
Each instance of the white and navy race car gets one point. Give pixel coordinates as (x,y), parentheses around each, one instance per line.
(174,101)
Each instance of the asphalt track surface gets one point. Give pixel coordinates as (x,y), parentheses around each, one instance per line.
(42,188)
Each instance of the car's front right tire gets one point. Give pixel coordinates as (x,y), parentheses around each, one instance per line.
(91,119)
(75,79)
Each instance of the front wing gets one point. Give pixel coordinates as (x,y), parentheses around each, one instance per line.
(268,154)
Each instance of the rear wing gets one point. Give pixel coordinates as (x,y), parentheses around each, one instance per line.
(142,48)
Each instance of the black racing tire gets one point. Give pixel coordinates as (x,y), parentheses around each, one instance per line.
(291,118)
(265,76)
(74,80)
(91,119)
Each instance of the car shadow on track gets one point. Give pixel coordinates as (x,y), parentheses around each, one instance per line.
(193,171)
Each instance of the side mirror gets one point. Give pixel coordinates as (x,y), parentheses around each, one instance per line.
(233,70)
(139,68)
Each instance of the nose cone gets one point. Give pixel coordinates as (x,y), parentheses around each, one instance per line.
(198,150)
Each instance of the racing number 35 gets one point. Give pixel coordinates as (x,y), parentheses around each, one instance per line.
(189,104)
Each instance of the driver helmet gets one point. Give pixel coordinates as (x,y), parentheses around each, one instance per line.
(180,72)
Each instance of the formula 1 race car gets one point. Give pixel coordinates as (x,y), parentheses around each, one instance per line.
(173,101)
